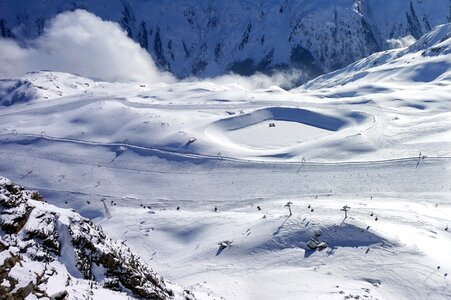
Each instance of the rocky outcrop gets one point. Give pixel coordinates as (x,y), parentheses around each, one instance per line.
(41,243)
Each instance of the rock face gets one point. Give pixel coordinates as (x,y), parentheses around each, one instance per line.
(50,252)
(209,38)
(423,62)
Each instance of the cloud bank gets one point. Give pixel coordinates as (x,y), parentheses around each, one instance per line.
(283,79)
(81,43)
(401,42)
(286,80)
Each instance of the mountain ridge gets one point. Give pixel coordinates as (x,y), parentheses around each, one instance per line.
(195,38)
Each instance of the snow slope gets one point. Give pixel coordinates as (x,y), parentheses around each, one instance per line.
(48,252)
(196,180)
(425,61)
(209,38)
(389,247)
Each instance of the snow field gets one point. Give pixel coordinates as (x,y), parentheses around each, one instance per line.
(375,136)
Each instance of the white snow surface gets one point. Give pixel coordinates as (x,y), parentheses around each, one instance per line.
(43,250)
(375,136)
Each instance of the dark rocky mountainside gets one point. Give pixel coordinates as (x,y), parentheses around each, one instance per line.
(209,38)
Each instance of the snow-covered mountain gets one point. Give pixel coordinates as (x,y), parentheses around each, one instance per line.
(195,176)
(347,124)
(53,253)
(208,38)
(427,61)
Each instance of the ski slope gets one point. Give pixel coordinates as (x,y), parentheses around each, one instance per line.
(375,136)
(394,257)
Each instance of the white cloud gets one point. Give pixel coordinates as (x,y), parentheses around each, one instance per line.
(81,43)
(401,42)
(285,80)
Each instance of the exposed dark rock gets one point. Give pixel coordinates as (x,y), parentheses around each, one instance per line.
(414,23)
(127,20)
(245,37)
(52,230)
(142,36)
(302,59)
(159,51)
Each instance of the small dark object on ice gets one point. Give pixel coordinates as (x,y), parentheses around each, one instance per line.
(312,210)
(446,228)
(314,244)
(190,141)
(178,207)
(272,125)
(371,214)
(216,209)
(322,245)
(376,219)
(259,208)
(225,243)
(309,206)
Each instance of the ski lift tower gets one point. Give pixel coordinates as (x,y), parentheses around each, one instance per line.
(107,211)
(289,203)
(346,208)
